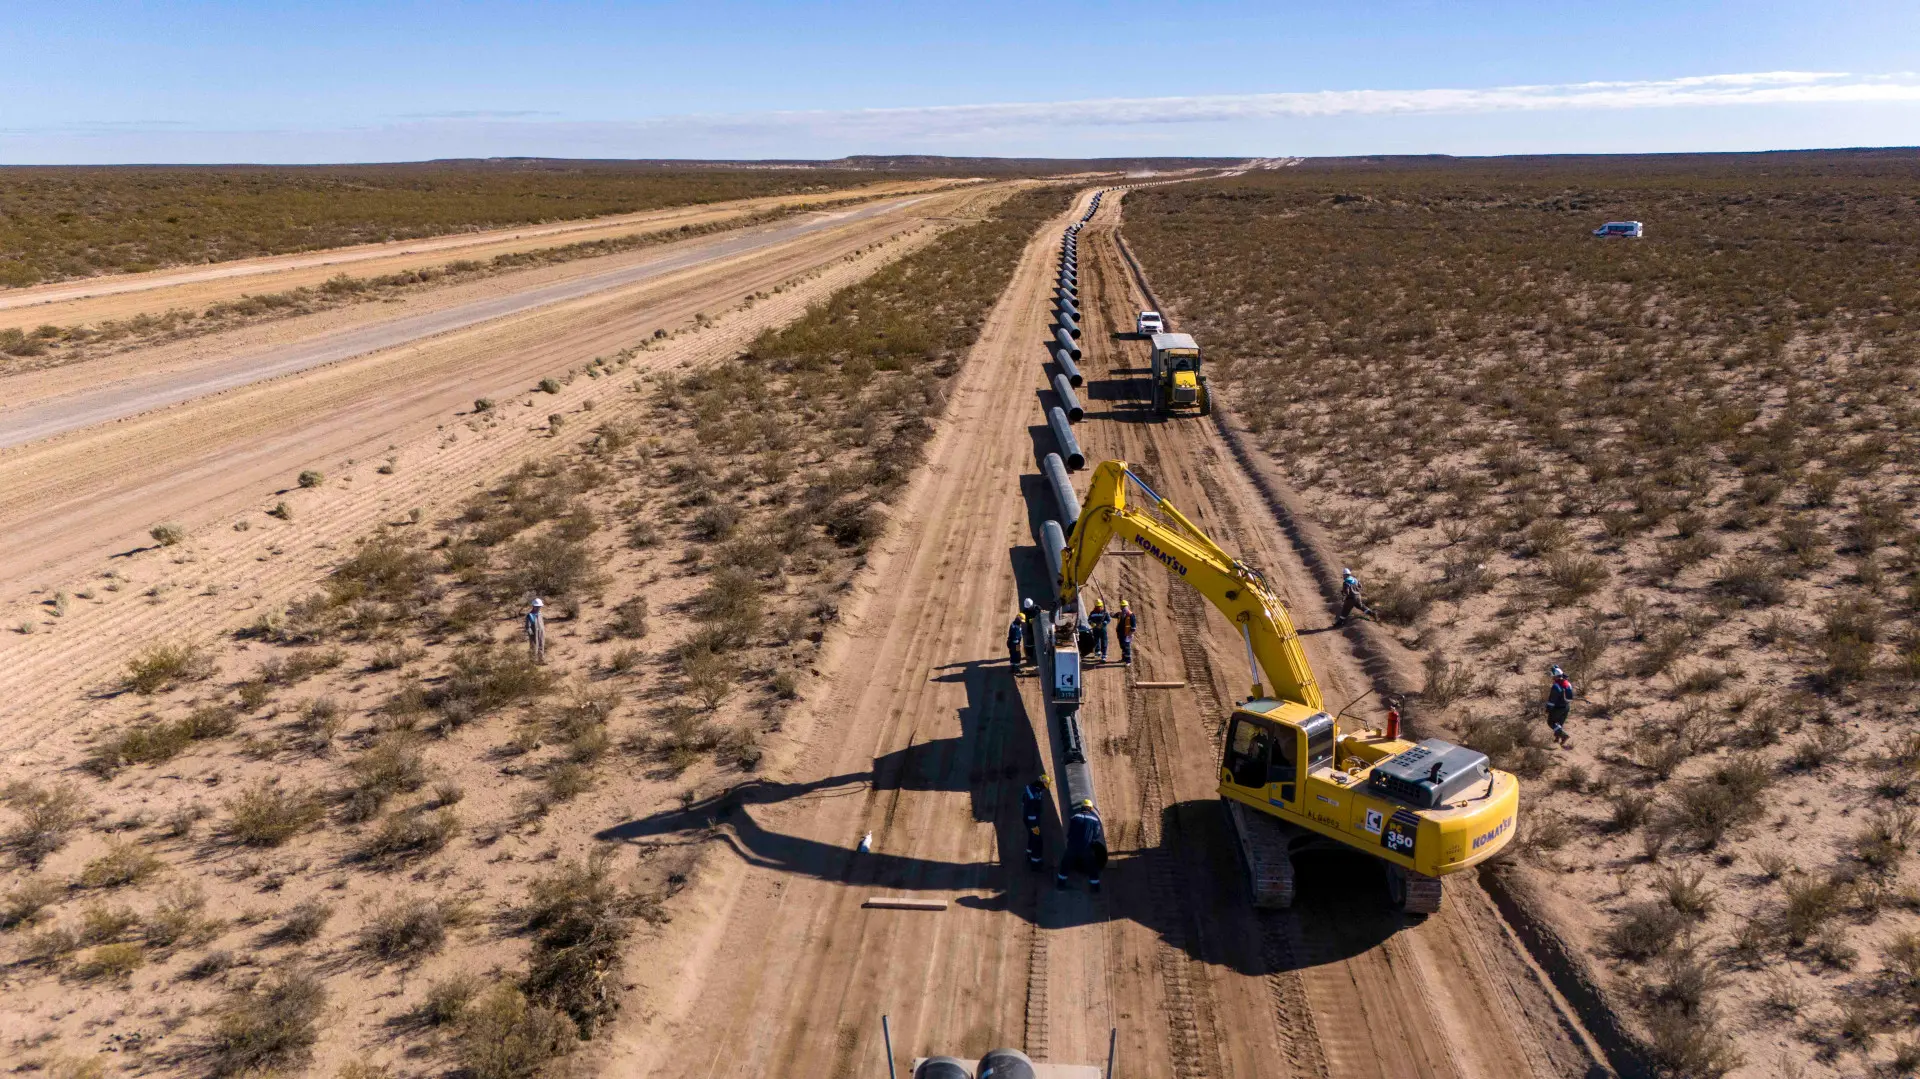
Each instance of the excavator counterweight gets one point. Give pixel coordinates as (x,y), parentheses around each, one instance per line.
(1290,778)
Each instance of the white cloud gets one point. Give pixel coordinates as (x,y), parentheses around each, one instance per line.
(1219,123)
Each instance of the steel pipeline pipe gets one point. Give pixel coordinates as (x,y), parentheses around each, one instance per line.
(1063,434)
(1065,308)
(1068,368)
(1053,541)
(1006,1064)
(1069,400)
(1066,342)
(1052,467)
(1072,327)
(941,1068)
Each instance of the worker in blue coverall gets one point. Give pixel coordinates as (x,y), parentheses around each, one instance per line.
(1033,806)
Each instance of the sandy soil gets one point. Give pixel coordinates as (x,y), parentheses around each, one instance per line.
(925,739)
(122,296)
(69,501)
(60,690)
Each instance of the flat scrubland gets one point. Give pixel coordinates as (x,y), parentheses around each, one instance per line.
(67,222)
(351,833)
(1684,468)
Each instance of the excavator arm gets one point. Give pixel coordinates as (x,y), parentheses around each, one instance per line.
(1163,533)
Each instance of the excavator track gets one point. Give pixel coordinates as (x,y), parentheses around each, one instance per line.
(1414,893)
(1263,846)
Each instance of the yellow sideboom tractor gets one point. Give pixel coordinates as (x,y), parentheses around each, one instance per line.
(1293,779)
(1177,380)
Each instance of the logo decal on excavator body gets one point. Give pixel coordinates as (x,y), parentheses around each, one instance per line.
(1166,559)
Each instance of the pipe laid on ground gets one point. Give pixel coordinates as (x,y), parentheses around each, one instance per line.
(1066,342)
(1063,434)
(1053,541)
(1068,324)
(1065,307)
(1066,365)
(1069,400)
(1052,467)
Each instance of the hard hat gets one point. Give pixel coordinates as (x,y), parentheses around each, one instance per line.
(1084,803)
(1124,603)
(1558,673)
(1345,572)
(538,602)
(1026,605)
(1045,780)
(1099,604)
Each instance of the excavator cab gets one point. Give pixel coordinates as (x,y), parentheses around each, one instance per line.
(1269,748)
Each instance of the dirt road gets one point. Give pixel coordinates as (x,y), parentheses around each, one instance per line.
(120,296)
(75,498)
(36,420)
(925,741)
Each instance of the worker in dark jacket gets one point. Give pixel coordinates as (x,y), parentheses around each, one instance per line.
(1086,846)
(1124,624)
(1033,806)
(1560,705)
(1016,638)
(1350,598)
(1084,635)
(1030,633)
(1099,619)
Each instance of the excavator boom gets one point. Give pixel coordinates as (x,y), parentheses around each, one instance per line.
(1165,535)
(1291,779)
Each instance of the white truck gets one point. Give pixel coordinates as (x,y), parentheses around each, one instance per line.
(1149,323)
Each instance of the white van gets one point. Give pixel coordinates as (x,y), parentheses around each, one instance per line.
(1629,229)
(1148,324)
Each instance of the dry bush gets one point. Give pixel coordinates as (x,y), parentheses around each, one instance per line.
(164,664)
(1692,1044)
(579,917)
(409,834)
(1645,930)
(312,478)
(629,618)
(392,765)
(1713,805)
(1630,811)
(124,863)
(112,961)
(485,679)
(1446,681)
(154,743)
(1885,841)
(47,816)
(302,923)
(267,1027)
(1817,750)
(1510,741)
(23,904)
(1686,892)
(447,998)
(1810,904)
(267,815)
(503,1035)
(1574,576)
(168,535)
(407,929)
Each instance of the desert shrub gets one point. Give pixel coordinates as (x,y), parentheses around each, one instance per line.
(483,404)
(1885,840)
(642,535)
(503,1035)
(302,923)
(1817,750)
(312,478)
(407,834)
(550,565)
(1399,601)
(548,385)
(387,567)
(1810,904)
(1509,741)
(629,618)
(1629,811)
(154,743)
(165,664)
(1446,681)
(168,535)
(1645,930)
(732,603)
(716,522)
(1752,581)
(47,816)
(1712,805)
(124,863)
(270,1026)
(448,997)
(112,961)
(267,815)
(1686,892)
(484,679)
(1692,1044)
(392,765)
(579,917)
(23,904)
(405,929)
(1574,575)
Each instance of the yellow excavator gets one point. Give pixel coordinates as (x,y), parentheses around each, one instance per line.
(1292,779)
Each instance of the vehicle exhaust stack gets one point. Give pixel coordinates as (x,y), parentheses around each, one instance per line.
(1063,434)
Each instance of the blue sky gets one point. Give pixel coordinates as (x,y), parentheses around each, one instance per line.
(125,81)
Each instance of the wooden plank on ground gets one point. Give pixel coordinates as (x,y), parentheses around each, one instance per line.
(886,902)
